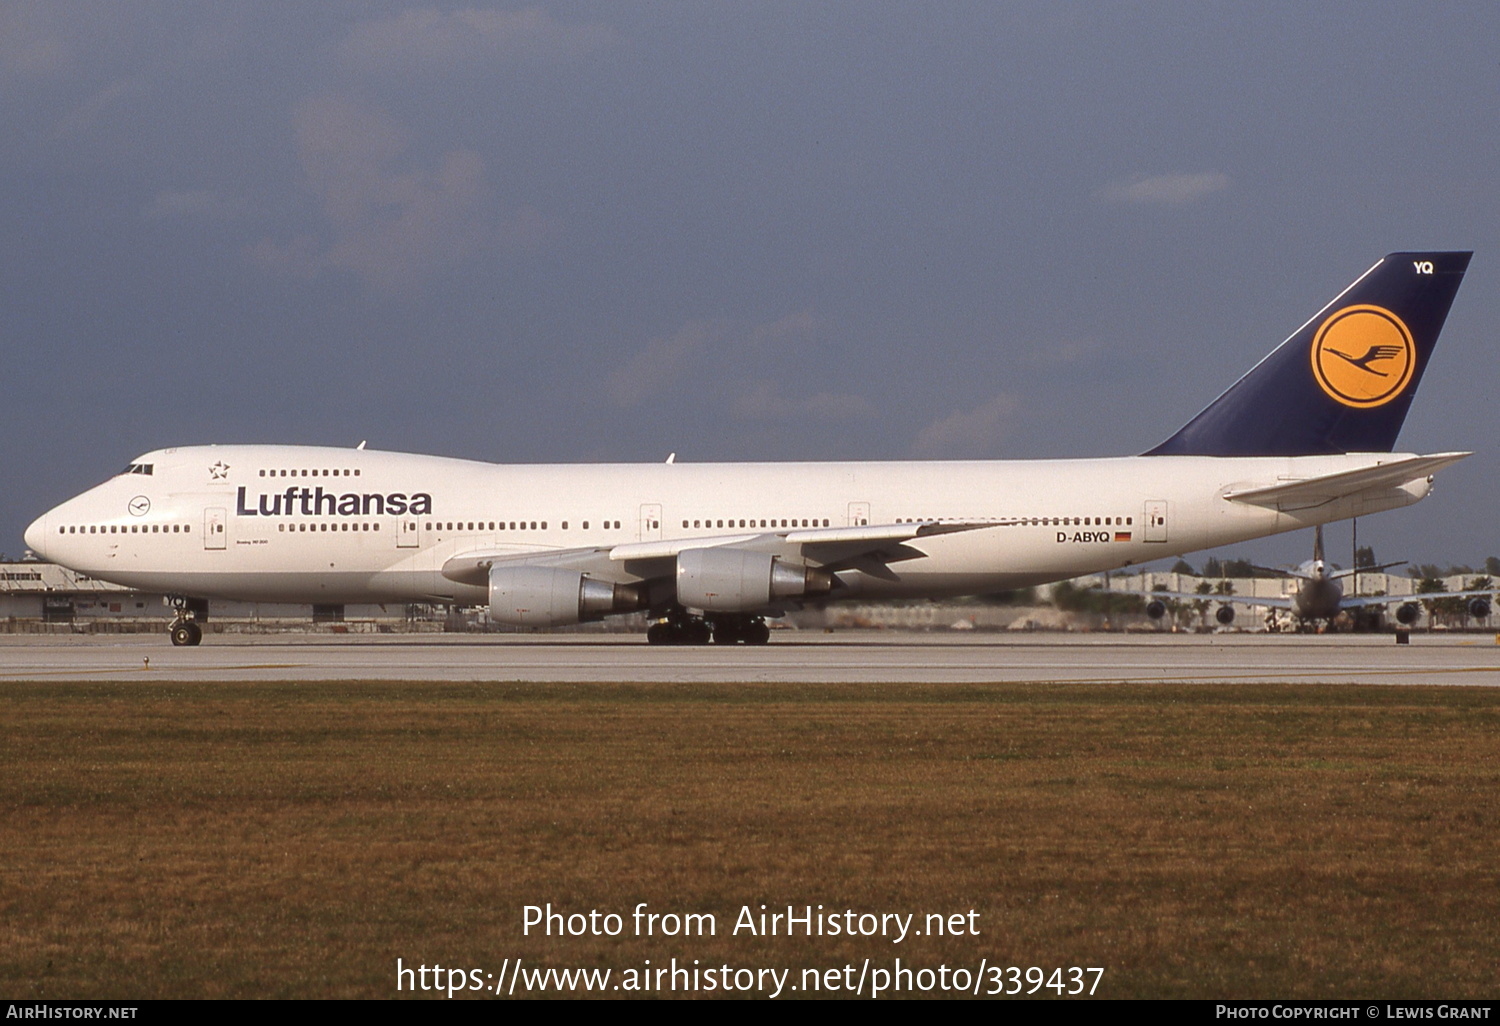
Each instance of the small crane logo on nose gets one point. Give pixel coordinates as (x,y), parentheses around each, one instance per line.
(139,506)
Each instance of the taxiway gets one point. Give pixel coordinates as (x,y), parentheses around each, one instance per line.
(846,657)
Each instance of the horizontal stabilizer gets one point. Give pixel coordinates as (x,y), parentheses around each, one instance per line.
(1317,490)
(1356,571)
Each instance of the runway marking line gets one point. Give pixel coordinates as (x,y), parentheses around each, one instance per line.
(31,674)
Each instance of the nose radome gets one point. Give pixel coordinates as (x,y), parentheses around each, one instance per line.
(36,536)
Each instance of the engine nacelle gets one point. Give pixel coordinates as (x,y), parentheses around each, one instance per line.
(1479,608)
(1156,609)
(728,580)
(1407,614)
(1225,615)
(540,596)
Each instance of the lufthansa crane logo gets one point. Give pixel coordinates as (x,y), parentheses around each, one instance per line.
(1363,356)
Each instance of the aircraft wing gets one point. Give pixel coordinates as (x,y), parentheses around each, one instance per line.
(870,548)
(1193,596)
(1345,602)
(1315,491)
(1364,601)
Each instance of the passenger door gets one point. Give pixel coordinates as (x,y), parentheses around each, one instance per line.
(650,521)
(214,527)
(1156,520)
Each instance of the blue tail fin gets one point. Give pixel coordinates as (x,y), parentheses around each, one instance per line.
(1344,380)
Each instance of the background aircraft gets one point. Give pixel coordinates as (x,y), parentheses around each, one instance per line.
(1318,594)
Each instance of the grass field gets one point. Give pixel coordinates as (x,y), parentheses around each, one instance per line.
(286,840)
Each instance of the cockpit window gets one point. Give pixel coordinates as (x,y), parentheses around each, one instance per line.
(138,468)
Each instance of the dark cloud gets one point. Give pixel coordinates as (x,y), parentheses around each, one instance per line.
(764,231)
(427,40)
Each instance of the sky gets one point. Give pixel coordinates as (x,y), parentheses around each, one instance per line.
(608,231)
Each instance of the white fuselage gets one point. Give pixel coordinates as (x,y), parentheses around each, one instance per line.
(1316,595)
(324,525)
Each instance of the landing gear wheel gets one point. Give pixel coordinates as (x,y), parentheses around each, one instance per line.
(691,630)
(185,632)
(741,631)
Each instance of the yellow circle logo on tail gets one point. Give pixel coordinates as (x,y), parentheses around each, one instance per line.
(1363,356)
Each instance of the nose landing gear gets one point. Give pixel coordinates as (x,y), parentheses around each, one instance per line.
(184,629)
(185,632)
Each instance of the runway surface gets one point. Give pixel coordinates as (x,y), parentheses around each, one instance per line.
(846,657)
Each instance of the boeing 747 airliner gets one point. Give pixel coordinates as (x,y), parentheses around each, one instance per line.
(711,550)
(1317,595)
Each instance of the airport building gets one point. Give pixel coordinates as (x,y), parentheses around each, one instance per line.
(43,597)
(38,596)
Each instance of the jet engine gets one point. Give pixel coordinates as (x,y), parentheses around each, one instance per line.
(1156,609)
(1407,614)
(1479,608)
(540,596)
(726,580)
(1225,615)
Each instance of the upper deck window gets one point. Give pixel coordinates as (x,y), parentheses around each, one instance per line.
(138,468)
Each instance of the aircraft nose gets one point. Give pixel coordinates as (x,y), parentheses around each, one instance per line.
(36,536)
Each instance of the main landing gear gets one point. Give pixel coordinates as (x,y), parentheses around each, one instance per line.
(184,630)
(682,629)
